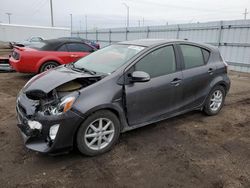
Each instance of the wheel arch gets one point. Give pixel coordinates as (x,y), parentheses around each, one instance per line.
(214,83)
(45,60)
(114,108)
(118,111)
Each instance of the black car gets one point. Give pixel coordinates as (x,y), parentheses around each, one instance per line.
(118,88)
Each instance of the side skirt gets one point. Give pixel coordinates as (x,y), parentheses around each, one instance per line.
(161,118)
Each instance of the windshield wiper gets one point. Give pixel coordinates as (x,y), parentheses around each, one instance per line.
(83,69)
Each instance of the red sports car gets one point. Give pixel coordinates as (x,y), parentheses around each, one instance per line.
(48,54)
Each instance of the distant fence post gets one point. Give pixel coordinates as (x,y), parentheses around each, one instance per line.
(110,36)
(126,33)
(96,35)
(148,32)
(178,31)
(220,33)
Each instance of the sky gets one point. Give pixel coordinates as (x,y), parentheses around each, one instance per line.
(112,13)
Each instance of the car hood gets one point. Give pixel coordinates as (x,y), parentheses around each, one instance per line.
(51,79)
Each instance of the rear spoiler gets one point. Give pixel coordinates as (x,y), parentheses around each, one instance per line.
(19,48)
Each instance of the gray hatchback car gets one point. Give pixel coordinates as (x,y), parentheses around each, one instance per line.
(119,88)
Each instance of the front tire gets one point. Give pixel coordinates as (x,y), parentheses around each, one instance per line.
(98,133)
(215,101)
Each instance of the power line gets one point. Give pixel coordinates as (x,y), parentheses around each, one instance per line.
(36,4)
(42,4)
(160,4)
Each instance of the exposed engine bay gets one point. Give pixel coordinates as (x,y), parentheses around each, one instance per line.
(53,103)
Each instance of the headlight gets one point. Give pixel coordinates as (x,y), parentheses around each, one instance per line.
(66,104)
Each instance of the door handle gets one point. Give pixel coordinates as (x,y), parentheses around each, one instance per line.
(176,82)
(73,55)
(210,71)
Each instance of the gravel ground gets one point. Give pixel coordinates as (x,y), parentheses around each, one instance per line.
(191,150)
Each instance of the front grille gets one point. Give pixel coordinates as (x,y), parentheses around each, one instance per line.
(15,55)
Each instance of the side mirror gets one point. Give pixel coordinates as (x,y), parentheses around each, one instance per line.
(140,76)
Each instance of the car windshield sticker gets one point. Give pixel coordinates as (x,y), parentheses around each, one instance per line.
(138,48)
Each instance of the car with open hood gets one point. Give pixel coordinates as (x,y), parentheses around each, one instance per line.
(121,87)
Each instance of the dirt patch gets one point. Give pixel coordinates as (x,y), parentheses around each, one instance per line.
(191,150)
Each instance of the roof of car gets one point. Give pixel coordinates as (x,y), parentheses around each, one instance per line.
(53,44)
(60,41)
(155,42)
(147,42)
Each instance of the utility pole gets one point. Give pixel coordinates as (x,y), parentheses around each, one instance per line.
(71,24)
(143,21)
(86,25)
(51,14)
(245,14)
(139,23)
(127,7)
(9,14)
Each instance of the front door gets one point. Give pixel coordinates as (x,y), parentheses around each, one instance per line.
(159,96)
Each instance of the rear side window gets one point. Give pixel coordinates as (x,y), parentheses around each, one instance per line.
(159,62)
(193,56)
(63,48)
(206,55)
(79,47)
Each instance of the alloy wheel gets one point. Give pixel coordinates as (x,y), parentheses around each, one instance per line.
(216,100)
(99,134)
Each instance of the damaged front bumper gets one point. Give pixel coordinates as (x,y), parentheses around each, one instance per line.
(38,137)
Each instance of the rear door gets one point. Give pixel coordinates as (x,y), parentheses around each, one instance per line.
(197,74)
(161,95)
(78,50)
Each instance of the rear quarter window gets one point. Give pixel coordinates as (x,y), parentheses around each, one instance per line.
(193,56)
(206,55)
(63,48)
(79,47)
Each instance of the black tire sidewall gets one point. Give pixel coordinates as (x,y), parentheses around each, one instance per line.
(46,64)
(207,108)
(81,145)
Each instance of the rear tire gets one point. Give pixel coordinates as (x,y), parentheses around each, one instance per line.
(215,101)
(48,65)
(98,133)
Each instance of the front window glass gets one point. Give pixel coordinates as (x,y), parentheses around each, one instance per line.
(108,59)
(159,62)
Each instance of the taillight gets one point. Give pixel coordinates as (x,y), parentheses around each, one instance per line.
(224,62)
(15,55)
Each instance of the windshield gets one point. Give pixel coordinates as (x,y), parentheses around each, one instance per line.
(108,59)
